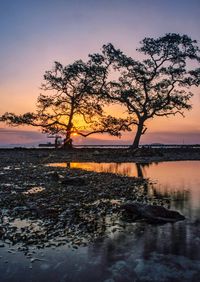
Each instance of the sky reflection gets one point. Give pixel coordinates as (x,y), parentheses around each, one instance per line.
(179,181)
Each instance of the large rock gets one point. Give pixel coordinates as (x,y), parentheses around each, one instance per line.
(78,180)
(54,176)
(153,214)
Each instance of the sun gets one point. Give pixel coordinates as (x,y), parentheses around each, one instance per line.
(74,134)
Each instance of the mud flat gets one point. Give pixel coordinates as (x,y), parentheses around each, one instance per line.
(44,205)
(65,224)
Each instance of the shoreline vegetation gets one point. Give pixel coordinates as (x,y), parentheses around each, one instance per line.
(45,206)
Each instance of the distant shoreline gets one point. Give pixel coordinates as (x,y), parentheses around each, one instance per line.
(141,155)
(100,146)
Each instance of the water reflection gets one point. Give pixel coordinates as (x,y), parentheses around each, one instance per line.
(179,181)
(139,252)
(149,252)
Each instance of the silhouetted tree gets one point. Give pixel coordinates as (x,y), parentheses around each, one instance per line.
(73,106)
(159,84)
(156,86)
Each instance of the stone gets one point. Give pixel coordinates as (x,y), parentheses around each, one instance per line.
(70,180)
(151,213)
(54,176)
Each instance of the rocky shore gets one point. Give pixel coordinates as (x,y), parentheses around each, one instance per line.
(43,206)
(140,155)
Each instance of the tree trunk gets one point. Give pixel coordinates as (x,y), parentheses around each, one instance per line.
(68,141)
(67,144)
(137,136)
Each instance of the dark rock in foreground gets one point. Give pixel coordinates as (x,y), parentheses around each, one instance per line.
(152,214)
(71,180)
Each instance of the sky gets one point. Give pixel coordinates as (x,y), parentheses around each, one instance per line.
(35,33)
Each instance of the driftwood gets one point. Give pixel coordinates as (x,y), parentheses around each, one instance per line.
(150,213)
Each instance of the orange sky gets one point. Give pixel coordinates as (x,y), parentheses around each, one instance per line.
(34,35)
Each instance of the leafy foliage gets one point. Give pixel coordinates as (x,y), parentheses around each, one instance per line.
(159,84)
(73,105)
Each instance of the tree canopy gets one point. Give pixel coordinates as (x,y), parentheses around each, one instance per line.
(70,104)
(158,85)
(74,96)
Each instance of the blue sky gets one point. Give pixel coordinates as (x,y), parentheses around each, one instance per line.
(35,33)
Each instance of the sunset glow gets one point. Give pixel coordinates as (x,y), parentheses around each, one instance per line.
(34,35)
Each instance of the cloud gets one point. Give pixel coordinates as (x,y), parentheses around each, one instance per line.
(14,136)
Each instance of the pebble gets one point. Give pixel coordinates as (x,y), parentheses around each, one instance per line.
(59,214)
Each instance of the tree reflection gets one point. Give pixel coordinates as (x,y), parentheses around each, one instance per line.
(181,198)
(168,245)
(140,167)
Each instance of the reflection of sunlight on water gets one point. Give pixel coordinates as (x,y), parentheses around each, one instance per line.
(135,251)
(178,180)
(58,164)
(118,168)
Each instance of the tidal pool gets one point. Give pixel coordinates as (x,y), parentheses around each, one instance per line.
(178,180)
(141,252)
